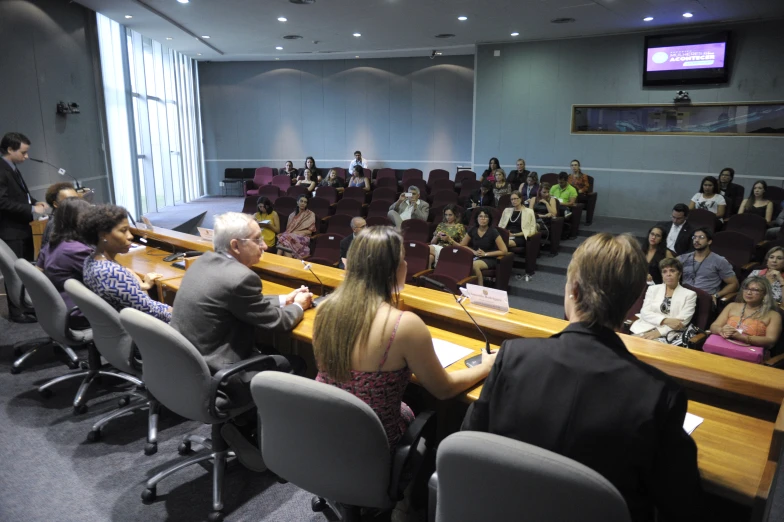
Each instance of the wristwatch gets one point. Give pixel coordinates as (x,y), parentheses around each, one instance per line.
(716,296)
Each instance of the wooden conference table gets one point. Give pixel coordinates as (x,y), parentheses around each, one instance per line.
(738,443)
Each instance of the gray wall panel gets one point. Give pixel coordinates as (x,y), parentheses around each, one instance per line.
(523,108)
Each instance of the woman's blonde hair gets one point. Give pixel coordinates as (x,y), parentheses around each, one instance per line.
(343,321)
(768,303)
(610,272)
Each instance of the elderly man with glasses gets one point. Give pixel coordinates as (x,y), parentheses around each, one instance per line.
(219,307)
(357,224)
(706,270)
(408,206)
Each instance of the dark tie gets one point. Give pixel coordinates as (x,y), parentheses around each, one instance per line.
(21,182)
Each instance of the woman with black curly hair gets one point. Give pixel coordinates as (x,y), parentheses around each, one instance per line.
(106,227)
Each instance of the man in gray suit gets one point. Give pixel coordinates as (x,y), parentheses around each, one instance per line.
(409,206)
(220,304)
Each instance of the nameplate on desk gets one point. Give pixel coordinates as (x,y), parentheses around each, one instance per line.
(206,233)
(496,300)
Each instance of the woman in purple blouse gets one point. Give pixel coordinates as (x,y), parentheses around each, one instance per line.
(62,258)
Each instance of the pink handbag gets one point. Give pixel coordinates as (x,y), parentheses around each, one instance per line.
(718,345)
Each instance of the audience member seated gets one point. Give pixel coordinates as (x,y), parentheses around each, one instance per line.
(219,306)
(518,220)
(54,195)
(753,318)
(772,272)
(332,180)
(357,224)
(482,197)
(564,192)
(776,224)
(307,180)
(268,220)
(310,163)
(370,348)
(358,161)
(517,177)
(290,171)
(707,271)
(408,206)
(667,306)
(106,227)
(296,239)
(501,187)
(707,198)
(529,188)
(757,204)
(489,173)
(655,250)
(578,179)
(486,243)
(358,179)
(63,257)
(580,393)
(732,193)
(544,205)
(449,232)
(678,231)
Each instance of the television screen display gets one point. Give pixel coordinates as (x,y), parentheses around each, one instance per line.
(686,59)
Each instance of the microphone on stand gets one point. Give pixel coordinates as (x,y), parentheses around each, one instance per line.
(60,171)
(307,267)
(476,359)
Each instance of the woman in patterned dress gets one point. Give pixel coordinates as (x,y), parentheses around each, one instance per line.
(370,348)
(449,232)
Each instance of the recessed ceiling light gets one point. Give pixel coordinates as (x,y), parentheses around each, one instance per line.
(128,16)
(183,1)
(356,57)
(687,15)
(198,54)
(647,19)
(206,37)
(277,58)
(282,19)
(357,35)
(169,38)
(515,34)
(462,18)
(279,48)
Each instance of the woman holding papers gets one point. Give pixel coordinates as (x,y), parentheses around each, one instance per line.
(580,393)
(370,348)
(268,220)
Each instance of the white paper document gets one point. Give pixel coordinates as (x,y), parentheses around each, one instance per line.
(691,422)
(449,353)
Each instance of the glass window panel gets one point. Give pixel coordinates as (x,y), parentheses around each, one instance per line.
(143,194)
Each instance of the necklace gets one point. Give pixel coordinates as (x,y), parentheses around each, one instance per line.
(742,313)
(512,219)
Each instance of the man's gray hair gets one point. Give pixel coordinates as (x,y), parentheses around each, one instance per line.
(228,226)
(413,188)
(355,221)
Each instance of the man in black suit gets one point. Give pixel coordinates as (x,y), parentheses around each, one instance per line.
(357,224)
(678,232)
(16,207)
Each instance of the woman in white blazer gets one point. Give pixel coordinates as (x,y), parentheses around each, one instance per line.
(667,306)
(518,220)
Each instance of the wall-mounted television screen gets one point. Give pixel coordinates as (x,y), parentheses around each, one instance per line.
(686,59)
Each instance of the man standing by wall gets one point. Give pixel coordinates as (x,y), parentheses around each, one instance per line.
(16,206)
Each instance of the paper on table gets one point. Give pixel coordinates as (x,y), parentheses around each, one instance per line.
(449,353)
(691,422)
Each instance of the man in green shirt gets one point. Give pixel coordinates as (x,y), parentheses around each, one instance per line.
(564,192)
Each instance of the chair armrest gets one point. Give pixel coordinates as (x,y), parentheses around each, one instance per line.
(749,266)
(258,362)
(406,459)
(422,273)
(775,362)
(469,279)
(698,340)
(729,297)
(432,497)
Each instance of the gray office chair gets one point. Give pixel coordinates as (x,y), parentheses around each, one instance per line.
(481,476)
(176,374)
(21,299)
(116,346)
(54,321)
(330,443)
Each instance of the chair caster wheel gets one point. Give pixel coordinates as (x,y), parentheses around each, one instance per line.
(73,365)
(123,401)
(79,410)
(318,504)
(184,448)
(151,448)
(149,495)
(15,370)
(83,365)
(94,436)
(45,393)
(215,516)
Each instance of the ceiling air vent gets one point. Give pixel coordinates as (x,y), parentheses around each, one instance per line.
(303,2)
(445,35)
(292,37)
(562,21)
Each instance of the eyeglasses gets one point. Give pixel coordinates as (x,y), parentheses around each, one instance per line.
(699,237)
(259,241)
(753,290)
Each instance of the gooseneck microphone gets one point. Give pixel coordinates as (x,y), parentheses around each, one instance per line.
(476,359)
(60,171)
(309,268)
